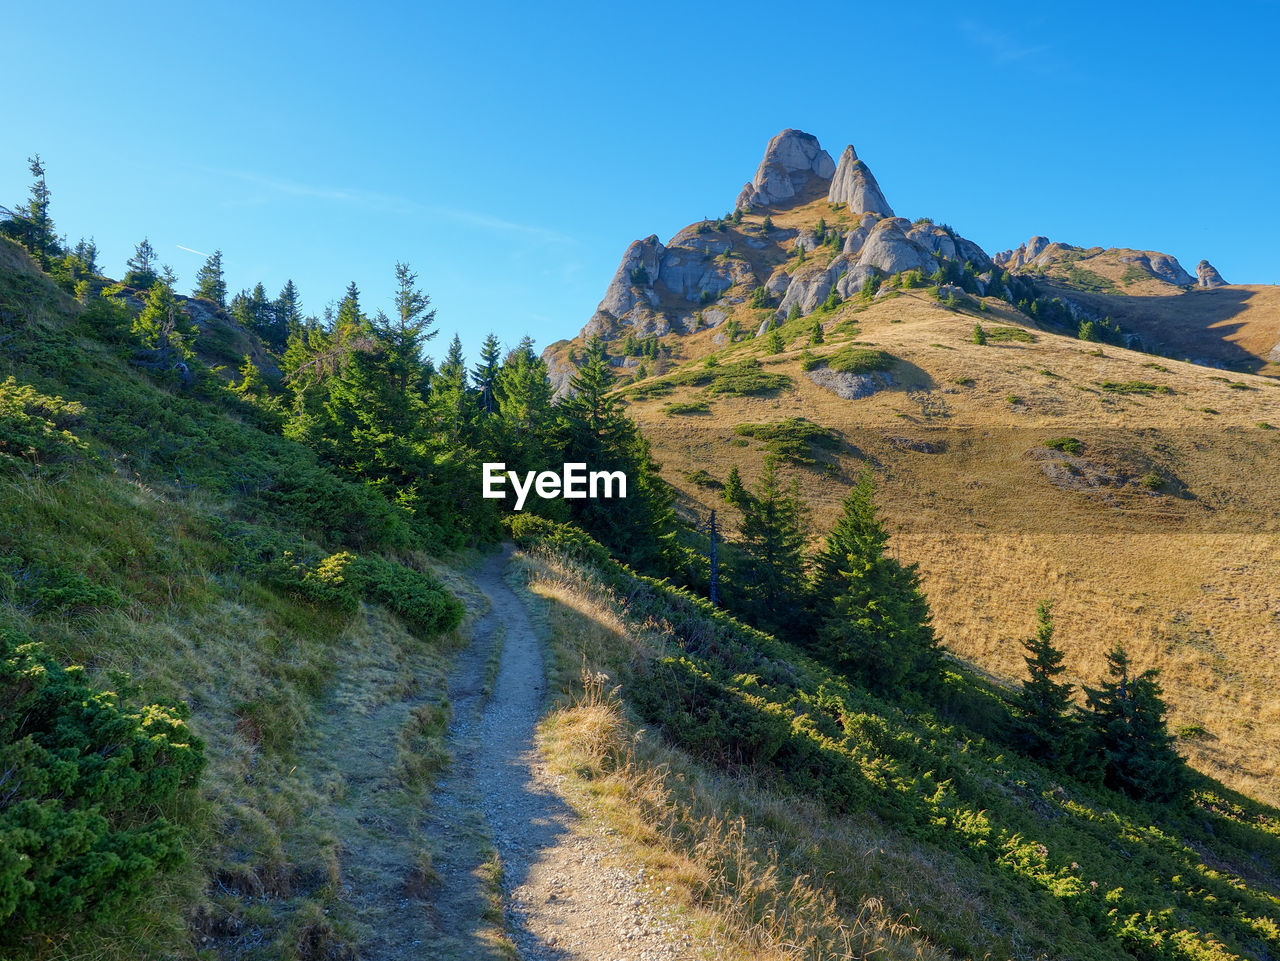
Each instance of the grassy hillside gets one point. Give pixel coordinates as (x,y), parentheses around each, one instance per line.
(156,533)
(821,822)
(1135,491)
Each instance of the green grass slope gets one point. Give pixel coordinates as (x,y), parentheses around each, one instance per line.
(158,538)
(854,812)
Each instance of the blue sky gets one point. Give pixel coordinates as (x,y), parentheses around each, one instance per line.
(510,152)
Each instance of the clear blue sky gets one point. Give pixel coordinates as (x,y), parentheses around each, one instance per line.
(510,152)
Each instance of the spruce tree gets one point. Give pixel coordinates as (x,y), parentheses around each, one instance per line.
(162,325)
(485,375)
(872,618)
(1126,720)
(594,430)
(734,492)
(1044,703)
(210,284)
(32,225)
(815,333)
(449,395)
(286,317)
(403,336)
(771,540)
(525,413)
(87,252)
(252,310)
(141,266)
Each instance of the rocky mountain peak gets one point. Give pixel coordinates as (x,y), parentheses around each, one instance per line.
(791,162)
(1207,275)
(853,184)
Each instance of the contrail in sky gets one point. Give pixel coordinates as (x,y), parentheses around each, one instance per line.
(191,250)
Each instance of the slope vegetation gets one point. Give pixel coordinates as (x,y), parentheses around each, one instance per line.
(181,555)
(1134,491)
(826,823)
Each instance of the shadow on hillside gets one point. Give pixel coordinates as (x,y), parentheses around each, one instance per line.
(1194,325)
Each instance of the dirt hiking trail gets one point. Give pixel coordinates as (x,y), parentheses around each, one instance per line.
(564,891)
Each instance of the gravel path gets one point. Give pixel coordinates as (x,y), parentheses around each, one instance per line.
(569,892)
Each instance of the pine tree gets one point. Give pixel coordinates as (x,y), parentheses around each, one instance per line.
(252,310)
(162,325)
(873,619)
(405,334)
(734,492)
(594,430)
(524,394)
(31,225)
(449,394)
(771,539)
(775,342)
(1126,720)
(141,266)
(210,284)
(286,316)
(87,252)
(349,320)
(1044,703)
(485,375)
(816,335)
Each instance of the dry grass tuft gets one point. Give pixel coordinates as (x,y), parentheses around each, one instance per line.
(755,868)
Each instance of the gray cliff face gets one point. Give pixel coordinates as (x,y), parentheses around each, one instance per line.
(1161,266)
(875,248)
(792,159)
(1040,252)
(1207,276)
(659,288)
(632,284)
(854,184)
(1027,253)
(891,250)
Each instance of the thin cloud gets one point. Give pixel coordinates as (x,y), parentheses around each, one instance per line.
(395,204)
(489,222)
(1002,47)
(191,250)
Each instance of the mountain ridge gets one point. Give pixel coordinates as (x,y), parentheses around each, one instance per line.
(711,266)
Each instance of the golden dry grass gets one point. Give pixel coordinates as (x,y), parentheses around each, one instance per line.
(751,869)
(1185,577)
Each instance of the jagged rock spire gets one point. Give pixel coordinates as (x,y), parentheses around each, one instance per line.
(1208,275)
(792,159)
(855,185)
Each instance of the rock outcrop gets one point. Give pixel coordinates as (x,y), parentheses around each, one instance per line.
(850,386)
(1040,252)
(854,184)
(791,162)
(633,282)
(1032,252)
(1207,275)
(890,250)
(1158,265)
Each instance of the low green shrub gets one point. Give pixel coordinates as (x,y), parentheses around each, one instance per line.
(686,407)
(1135,387)
(33,426)
(420,600)
(1068,445)
(83,774)
(853,360)
(792,439)
(1004,335)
